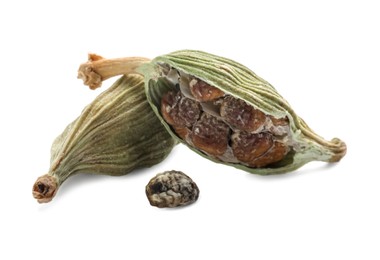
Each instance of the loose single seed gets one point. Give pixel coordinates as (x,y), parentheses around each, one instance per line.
(210,135)
(171,189)
(240,115)
(178,110)
(204,92)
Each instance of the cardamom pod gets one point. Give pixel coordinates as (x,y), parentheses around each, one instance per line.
(115,134)
(224,112)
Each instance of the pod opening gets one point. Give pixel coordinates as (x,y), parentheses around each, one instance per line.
(217,124)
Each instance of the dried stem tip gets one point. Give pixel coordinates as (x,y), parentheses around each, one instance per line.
(98,69)
(45,188)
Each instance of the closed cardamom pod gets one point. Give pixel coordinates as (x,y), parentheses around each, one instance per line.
(226,113)
(115,134)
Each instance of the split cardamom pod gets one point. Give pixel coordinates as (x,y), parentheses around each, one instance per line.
(115,134)
(225,112)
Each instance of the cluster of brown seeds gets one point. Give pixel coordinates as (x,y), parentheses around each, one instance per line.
(222,126)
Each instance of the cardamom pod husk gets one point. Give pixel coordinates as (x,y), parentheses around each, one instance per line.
(115,134)
(224,112)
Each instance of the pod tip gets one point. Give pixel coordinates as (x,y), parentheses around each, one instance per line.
(339,151)
(45,188)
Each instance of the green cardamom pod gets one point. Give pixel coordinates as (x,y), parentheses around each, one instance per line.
(222,110)
(115,134)
(226,113)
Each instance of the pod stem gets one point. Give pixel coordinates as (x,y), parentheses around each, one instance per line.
(336,147)
(45,188)
(98,69)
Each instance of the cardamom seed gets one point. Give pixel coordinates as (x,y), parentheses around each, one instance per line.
(115,134)
(171,189)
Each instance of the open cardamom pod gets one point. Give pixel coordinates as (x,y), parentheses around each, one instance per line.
(226,113)
(115,134)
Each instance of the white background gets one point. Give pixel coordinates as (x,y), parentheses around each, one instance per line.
(322,56)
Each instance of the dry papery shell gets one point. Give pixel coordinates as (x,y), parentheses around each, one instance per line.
(115,134)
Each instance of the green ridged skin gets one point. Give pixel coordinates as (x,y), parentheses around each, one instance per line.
(240,82)
(117,133)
